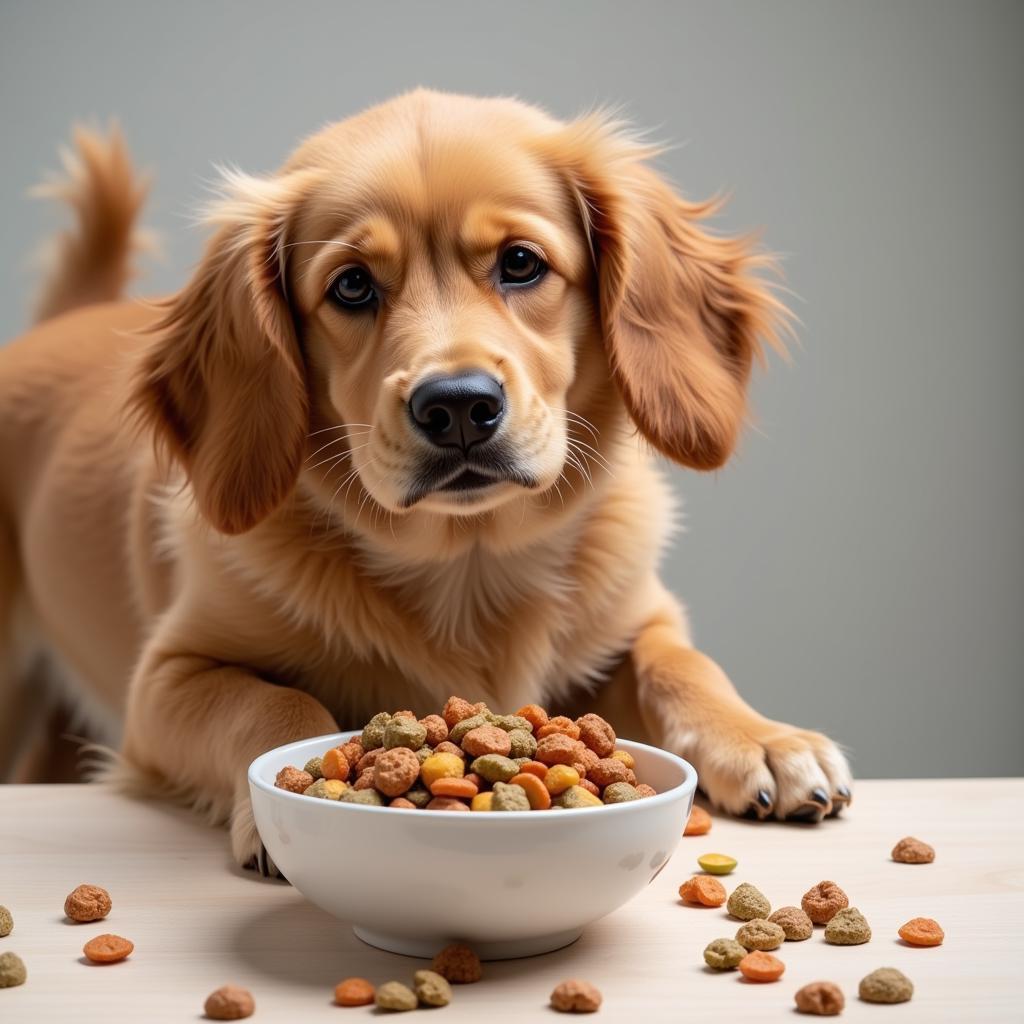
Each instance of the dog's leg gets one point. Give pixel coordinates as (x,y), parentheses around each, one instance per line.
(194,725)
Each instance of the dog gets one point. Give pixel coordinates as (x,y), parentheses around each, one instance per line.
(394,440)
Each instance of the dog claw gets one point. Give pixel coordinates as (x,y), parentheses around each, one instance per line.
(764,798)
(809,814)
(842,799)
(818,795)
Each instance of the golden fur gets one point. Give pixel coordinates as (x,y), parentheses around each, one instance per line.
(247,569)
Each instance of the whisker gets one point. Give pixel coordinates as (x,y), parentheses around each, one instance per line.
(584,422)
(345,437)
(338,426)
(338,458)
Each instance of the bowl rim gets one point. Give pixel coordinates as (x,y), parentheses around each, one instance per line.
(686,787)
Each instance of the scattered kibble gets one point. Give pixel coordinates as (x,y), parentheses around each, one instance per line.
(229,1002)
(6,922)
(760,934)
(699,822)
(912,851)
(458,964)
(393,995)
(823,901)
(575,996)
(794,922)
(708,892)
(820,998)
(87,903)
(922,931)
(886,985)
(723,954)
(758,966)
(848,927)
(717,863)
(354,992)
(431,988)
(12,970)
(108,949)
(748,902)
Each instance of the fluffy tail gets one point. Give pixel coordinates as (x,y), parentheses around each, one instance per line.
(92,261)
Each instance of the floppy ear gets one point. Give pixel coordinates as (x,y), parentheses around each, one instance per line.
(223,384)
(683,310)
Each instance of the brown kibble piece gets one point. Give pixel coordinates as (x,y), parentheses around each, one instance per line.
(794,922)
(401,802)
(699,822)
(644,790)
(912,851)
(821,998)
(437,729)
(556,749)
(597,734)
(758,966)
(922,931)
(559,724)
(608,770)
(87,903)
(229,1002)
(886,985)
(447,803)
(849,927)
(354,992)
(365,780)
(486,739)
(395,771)
(455,710)
(760,934)
(295,780)
(12,970)
(821,902)
(575,996)
(458,964)
(702,889)
(107,949)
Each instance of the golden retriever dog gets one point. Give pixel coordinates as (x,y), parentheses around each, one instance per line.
(394,440)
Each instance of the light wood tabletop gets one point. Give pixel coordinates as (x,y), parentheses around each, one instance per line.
(198,923)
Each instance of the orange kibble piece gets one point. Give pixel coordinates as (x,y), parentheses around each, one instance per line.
(702,889)
(589,786)
(535,768)
(334,765)
(464,789)
(560,724)
(107,949)
(354,992)
(534,714)
(758,966)
(922,931)
(536,792)
(699,822)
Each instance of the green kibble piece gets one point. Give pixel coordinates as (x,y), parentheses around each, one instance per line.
(373,731)
(12,970)
(315,767)
(576,796)
(619,793)
(717,863)
(432,989)
(886,985)
(523,744)
(509,798)
(459,730)
(6,922)
(393,995)
(760,934)
(511,723)
(418,796)
(327,789)
(724,954)
(849,927)
(522,760)
(748,902)
(362,796)
(494,768)
(423,753)
(404,732)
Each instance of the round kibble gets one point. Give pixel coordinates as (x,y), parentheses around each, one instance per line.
(760,934)
(437,729)
(326,789)
(886,985)
(560,777)
(370,797)
(556,749)
(458,964)
(535,768)
(12,970)
(431,988)
(699,822)
(723,954)
(494,768)
(87,903)
(396,769)
(588,759)
(404,732)
(314,766)
(912,851)
(482,801)
(335,765)
(606,771)
(447,747)
(625,757)
(393,995)
(401,803)
(748,902)
(458,732)
(404,714)
(354,992)
(293,779)
(559,725)
(424,752)
(918,931)
(534,714)
(442,766)
(577,796)
(644,790)
(373,731)
(575,996)
(511,723)
(717,863)
(708,892)
(848,927)
(487,739)
(463,789)
(522,744)
(508,797)
(366,779)
(758,966)
(6,922)
(455,710)
(229,1002)
(536,792)
(368,760)
(418,796)
(794,922)
(353,751)
(619,793)
(590,787)
(447,803)
(597,734)
(822,902)
(820,998)
(108,949)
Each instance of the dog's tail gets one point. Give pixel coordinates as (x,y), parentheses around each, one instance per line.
(92,261)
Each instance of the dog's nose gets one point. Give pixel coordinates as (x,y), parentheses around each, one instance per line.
(458,411)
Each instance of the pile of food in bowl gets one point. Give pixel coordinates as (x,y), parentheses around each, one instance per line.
(470,759)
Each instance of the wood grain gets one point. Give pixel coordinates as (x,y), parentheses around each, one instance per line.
(197,923)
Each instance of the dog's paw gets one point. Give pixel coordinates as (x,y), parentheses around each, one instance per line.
(246,846)
(766,768)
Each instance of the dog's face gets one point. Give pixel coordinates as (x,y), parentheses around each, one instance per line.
(431,300)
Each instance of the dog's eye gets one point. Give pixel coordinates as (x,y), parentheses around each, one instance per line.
(353,288)
(520,265)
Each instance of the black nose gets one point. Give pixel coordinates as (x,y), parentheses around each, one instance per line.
(460,410)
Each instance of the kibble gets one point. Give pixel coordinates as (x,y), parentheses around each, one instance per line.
(886,985)
(912,851)
(397,768)
(509,797)
(760,934)
(393,995)
(699,822)
(314,767)
(619,793)
(6,922)
(326,789)
(758,966)
(724,954)
(820,998)
(229,1002)
(373,732)
(293,779)
(823,901)
(717,863)
(87,903)
(708,892)
(576,997)
(576,797)
(12,970)
(370,797)
(458,964)
(794,922)
(922,931)
(431,988)
(848,927)
(108,949)
(404,732)
(354,992)
(748,902)
(495,768)
(597,734)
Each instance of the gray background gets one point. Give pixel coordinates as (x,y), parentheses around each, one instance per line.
(860,566)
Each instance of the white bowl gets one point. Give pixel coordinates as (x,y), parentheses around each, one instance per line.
(509,884)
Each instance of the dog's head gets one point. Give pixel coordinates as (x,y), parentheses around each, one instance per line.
(438,299)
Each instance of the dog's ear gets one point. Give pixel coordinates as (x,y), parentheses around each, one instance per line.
(222,383)
(683,310)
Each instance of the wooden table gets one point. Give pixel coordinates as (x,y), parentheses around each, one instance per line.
(198,923)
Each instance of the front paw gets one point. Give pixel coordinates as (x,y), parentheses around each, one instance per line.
(246,846)
(759,768)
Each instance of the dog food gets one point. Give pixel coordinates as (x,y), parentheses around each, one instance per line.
(717,863)
(708,892)
(458,964)
(760,934)
(354,992)
(229,1002)
(748,902)
(12,970)
(912,851)
(699,822)
(922,931)
(393,995)
(794,922)
(822,902)
(820,998)
(723,954)
(848,927)
(6,922)
(575,997)
(87,903)
(468,758)
(886,985)
(431,988)
(758,966)
(108,949)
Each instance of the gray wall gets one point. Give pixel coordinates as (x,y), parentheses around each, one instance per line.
(859,566)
